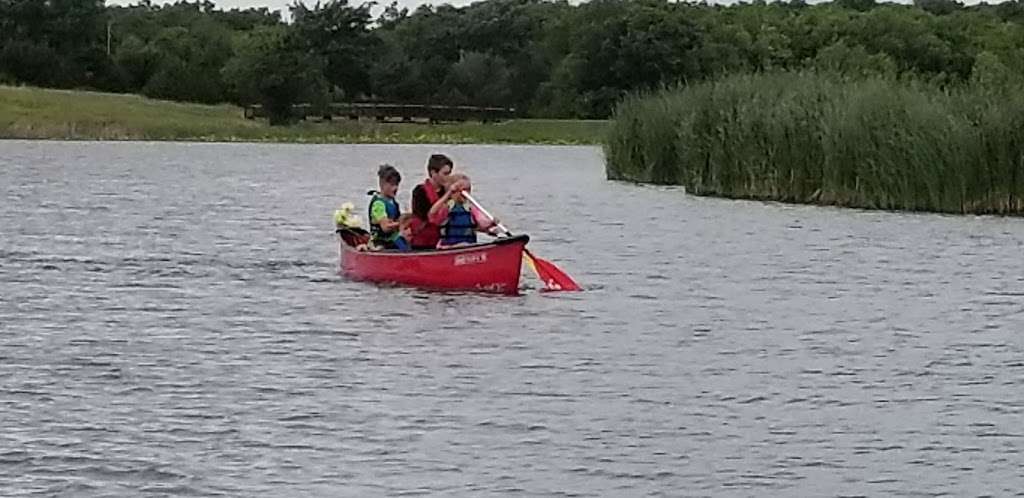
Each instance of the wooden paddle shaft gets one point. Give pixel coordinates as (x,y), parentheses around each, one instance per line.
(482,210)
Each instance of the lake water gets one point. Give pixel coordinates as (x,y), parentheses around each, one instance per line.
(171,323)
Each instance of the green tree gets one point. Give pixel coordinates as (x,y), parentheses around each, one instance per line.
(939,7)
(478,79)
(397,77)
(63,35)
(272,69)
(858,5)
(32,62)
(990,72)
(138,60)
(620,46)
(911,38)
(853,61)
(340,34)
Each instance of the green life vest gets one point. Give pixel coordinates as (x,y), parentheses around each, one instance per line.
(393,212)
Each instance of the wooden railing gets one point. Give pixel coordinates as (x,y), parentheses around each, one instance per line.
(393,112)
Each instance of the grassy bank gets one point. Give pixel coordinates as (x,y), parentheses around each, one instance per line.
(75,115)
(809,138)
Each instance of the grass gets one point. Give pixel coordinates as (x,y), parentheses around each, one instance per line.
(34,113)
(810,138)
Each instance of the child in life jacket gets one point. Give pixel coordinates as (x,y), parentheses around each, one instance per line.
(384,210)
(405,232)
(458,218)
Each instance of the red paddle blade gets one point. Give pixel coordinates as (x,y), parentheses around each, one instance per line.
(554,278)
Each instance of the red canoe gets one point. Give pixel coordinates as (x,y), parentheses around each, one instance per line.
(491,267)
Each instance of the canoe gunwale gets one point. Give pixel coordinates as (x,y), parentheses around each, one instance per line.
(500,241)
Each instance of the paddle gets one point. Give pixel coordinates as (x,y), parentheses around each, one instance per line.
(553,277)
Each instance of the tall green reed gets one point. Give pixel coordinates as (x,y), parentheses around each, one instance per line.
(812,138)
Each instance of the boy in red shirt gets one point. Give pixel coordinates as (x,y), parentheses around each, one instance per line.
(424,196)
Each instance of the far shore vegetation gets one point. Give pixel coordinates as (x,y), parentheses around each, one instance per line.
(545,58)
(33,113)
(912,105)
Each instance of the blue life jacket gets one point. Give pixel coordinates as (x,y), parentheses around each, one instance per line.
(378,233)
(460,227)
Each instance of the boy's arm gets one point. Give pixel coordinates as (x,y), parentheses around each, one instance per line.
(379,215)
(439,211)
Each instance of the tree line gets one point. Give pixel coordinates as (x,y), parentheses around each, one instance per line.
(545,58)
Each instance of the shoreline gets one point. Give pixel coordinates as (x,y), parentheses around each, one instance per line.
(28,113)
(222,140)
(279,142)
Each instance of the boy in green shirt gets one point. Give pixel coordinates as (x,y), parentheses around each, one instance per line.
(384,210)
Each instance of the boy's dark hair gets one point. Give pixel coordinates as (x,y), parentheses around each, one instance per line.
(388,174)
(438,161)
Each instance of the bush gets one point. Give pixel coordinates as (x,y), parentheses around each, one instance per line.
(177,80)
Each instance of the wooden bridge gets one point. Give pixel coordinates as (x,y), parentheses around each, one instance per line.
(409,113)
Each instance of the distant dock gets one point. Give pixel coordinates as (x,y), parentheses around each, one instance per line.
(408,113)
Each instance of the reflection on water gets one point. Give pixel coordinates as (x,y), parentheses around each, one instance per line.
(171,324)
